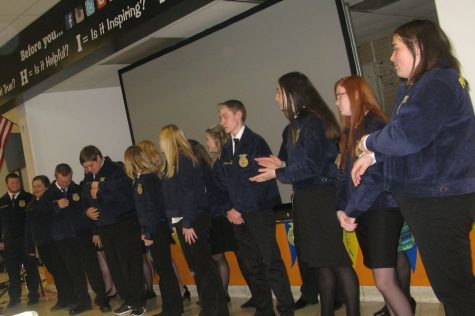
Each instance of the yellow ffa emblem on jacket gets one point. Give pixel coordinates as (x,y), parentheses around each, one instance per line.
(76,197)
(243,161)
(102,179)
(22,203)
(139,188)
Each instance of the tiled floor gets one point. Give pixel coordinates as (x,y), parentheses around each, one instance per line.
(153,307)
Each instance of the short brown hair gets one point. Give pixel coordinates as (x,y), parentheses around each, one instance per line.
(235,106)
(63,169)
(89,153)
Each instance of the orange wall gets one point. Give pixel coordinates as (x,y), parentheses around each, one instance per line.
(419,278)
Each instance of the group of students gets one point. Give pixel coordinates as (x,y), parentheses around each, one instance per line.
(366,174)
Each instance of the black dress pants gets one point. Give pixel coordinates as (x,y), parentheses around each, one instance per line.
(71,257)
(88,254)
(200,261)
(50,256)
(441,228)
(124,253)
(172,303)
(14,257)
(261,254)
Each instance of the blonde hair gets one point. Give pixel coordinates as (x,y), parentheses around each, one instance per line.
(137,161)
(217,133)
(174,143)
(151,151)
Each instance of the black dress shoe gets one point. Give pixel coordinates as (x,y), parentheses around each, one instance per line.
(382,312)
(301,303)
(249,303)
(57,307)
(186,297)
(79,309)
(13,303)
(338,305)
(413,305)
(33,301)
(105,307)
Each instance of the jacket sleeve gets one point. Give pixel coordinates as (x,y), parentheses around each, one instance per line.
(308,165)
(366,194)
(187,182)
(223,201)
(418,119)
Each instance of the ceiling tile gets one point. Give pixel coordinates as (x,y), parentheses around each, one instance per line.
(15,7)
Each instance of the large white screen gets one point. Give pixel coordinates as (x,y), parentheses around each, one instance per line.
(242,61)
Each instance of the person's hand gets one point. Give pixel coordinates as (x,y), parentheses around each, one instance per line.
(346,222)
(235,217)
(147,242)
(190,235)
(270,162)
(63,203)
(93,213)
(359,168)
(96,240)
(2,246)
(94,189)
(265,174)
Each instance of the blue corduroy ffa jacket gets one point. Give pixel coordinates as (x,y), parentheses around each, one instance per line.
(234,170)
(185,194)
(149,203)
(429,145)
(370,194)
(310,161)
(115,200)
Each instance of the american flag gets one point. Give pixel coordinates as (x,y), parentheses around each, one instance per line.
(5,130)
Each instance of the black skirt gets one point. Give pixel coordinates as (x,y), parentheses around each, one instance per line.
(378,235)
(222,236)
(316,228)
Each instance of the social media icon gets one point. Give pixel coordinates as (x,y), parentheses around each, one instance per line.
(101,3)
(90,7)
(69,20)
(79,14)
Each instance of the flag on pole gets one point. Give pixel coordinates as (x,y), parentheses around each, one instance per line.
(5,130)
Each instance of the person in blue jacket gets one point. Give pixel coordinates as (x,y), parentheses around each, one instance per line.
(222,234)
(16,254)
(150,206)
(250,209)
(39,229)
(72,232)
(379,220)
(428,149)
(108,200)
(221,231)
(187,206)
(312,138)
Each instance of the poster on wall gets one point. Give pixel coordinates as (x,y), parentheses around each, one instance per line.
(75,29)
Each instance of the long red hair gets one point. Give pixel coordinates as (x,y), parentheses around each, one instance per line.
(362,101)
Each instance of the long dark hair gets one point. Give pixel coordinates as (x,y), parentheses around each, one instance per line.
(301,98)
(432,42)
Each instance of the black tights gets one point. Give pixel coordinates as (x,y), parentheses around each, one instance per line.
(327,280)
(223,269)
(387,284)
(403,273)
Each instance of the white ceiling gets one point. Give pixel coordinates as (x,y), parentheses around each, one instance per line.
(15,15)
